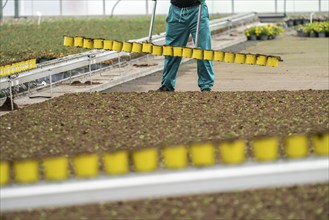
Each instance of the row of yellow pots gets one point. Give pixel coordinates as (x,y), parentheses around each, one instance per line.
(146,160)
(17,67)
(167,50)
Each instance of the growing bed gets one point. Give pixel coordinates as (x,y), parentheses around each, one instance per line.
(97,122)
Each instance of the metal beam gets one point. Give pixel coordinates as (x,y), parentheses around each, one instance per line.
(219,178)
(16,8)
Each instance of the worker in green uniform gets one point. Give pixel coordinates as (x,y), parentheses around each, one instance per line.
(181,22)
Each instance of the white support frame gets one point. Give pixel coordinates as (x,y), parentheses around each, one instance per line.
(219,178)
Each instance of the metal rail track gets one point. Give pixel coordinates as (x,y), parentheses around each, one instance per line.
(219,178)
(50,68)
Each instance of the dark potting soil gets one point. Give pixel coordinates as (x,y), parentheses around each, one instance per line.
(79,123)
(96,122)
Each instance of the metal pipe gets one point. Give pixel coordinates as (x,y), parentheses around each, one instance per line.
(152,21)
(311,17)
(51,83)
(16,8)
(104,8)
(115,5)
(61,7)
(11,95)
(198,27)
(1,11)
(276,6)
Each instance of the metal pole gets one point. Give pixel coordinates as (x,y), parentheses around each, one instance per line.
(152,20)
(61,7)
(276,6)
(11,95)
(51,83)
(147,7)
(104,8)
(319,5)
(1,12)
(232,1)
(198,27)
(285,8)
(16,8)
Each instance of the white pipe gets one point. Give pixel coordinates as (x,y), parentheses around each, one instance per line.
(311,17)
(219,178)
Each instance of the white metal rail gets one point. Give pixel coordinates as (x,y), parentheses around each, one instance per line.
(72,62)
(218,178)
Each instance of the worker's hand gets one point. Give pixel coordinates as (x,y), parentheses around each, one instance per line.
(202,1)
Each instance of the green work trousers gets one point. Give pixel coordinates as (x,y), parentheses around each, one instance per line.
(181,22)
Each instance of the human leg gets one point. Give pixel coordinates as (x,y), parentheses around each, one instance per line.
(205,67)
(177,34)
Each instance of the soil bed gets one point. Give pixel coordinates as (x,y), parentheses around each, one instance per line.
(98,122)
(79,123)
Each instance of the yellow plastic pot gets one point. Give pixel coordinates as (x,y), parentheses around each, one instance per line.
(167,50)
(145,160)
(232,152)
(23,66)
(2,71)
(13,68)
(68,41)
(296,146)
(321,144)
(117,45)
(157,50)
(272,61)
(56,168)
(266,149)
(116,163)
(86,165)
(229,57)
(187,52)
(208,54)
(251,59)
(197,54)
(108,44)
(127,47)
(7,70)
(4,173)
(137,47)
(26,171)
(87,43)
(98,43)
(32,63)
(219,56)
(175,157)
(178,51)
(203,154)
(78,41)
(261,60)
(147,47)
(240,58)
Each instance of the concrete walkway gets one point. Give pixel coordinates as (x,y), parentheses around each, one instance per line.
(305,66)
